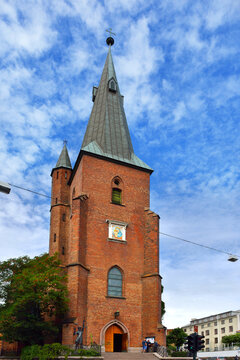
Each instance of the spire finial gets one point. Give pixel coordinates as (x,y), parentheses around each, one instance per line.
(65,142)
(110,40)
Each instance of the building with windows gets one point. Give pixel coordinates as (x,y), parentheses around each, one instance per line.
(105,234)
(214,327)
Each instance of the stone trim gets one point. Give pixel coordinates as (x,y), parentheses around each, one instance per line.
(105,327)
(79,264)
(150,275)
(118,241)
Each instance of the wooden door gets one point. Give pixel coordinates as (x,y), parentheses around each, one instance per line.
(109,337)
(109,340)
(124,342)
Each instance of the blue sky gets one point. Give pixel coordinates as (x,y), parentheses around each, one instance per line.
(178,67)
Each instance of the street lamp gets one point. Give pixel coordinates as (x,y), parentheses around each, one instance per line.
(5,187)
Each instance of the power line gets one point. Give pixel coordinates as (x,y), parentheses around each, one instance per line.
(194,243)
(162,233)
(31,191)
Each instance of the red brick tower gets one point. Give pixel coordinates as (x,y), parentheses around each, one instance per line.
(60,209)
(110,237)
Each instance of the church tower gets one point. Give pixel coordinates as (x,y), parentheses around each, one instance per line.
(106,236)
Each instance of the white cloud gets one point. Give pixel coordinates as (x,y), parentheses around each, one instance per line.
(177,66)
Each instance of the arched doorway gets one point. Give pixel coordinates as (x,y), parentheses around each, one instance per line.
(116,338)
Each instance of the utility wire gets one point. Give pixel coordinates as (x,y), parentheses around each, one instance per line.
(194,243)
(34,192)
(172,236)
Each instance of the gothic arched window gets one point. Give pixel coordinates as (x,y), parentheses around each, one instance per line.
(114,282)
(117,191)
(116,196)
(112,85)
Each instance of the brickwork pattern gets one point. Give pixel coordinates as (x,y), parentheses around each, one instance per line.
(90,254)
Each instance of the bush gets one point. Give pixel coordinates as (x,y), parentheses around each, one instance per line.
(179,354)
(52,351)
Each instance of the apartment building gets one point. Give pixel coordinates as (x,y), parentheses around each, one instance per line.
(214,327)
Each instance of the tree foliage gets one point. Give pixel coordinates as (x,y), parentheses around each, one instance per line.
(231,339)
(33,298)
(163,310)
(177,337)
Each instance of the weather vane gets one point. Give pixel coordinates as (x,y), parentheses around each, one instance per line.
(64,142)
(110,32)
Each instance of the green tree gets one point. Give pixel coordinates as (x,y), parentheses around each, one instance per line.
(33,298)
(176,337)
(231,339)
(162,304)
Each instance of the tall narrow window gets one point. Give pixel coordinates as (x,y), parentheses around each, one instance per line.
(116,196)
(114,282)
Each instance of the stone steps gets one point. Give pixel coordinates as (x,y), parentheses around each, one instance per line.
(128,356)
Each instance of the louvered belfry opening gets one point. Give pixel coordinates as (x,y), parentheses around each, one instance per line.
(116,196)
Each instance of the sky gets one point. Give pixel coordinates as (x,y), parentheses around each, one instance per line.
(178,67)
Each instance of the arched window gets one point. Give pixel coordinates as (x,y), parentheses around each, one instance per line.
(115,282)
(112,85)
(116,196)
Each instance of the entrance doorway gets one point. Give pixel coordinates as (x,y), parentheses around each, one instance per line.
(115,339)
(117,342)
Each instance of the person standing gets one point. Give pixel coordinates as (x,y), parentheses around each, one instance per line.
(144,345)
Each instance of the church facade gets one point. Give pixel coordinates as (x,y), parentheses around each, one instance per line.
(105,234)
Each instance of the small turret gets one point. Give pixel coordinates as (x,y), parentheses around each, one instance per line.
(60,208)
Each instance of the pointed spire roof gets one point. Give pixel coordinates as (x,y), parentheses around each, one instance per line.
(64,160)
(107,131)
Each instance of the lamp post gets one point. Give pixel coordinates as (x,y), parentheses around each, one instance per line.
(5,187)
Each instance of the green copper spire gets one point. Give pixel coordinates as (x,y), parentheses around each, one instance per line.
(64,160)
(107,132)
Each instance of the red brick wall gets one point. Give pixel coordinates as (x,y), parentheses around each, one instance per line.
(60,212)
(90,254)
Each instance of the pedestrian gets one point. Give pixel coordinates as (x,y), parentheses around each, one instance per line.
(148,345)
(144,345)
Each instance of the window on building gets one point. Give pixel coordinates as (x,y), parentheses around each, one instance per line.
(202,326)
(57,174)
(223,330)
(215,340)
(54,237)
(222,321)
(202,333)
(215,331)
(207,341)
(112,85)
(56,200)
(207,332)
(63,250)
(116,196)
(230,320)
(209,324)
(207,349)
(65,175)
(215,323)
(230,328)
(114,282)
(63,217)
(216,348)
(185,330)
